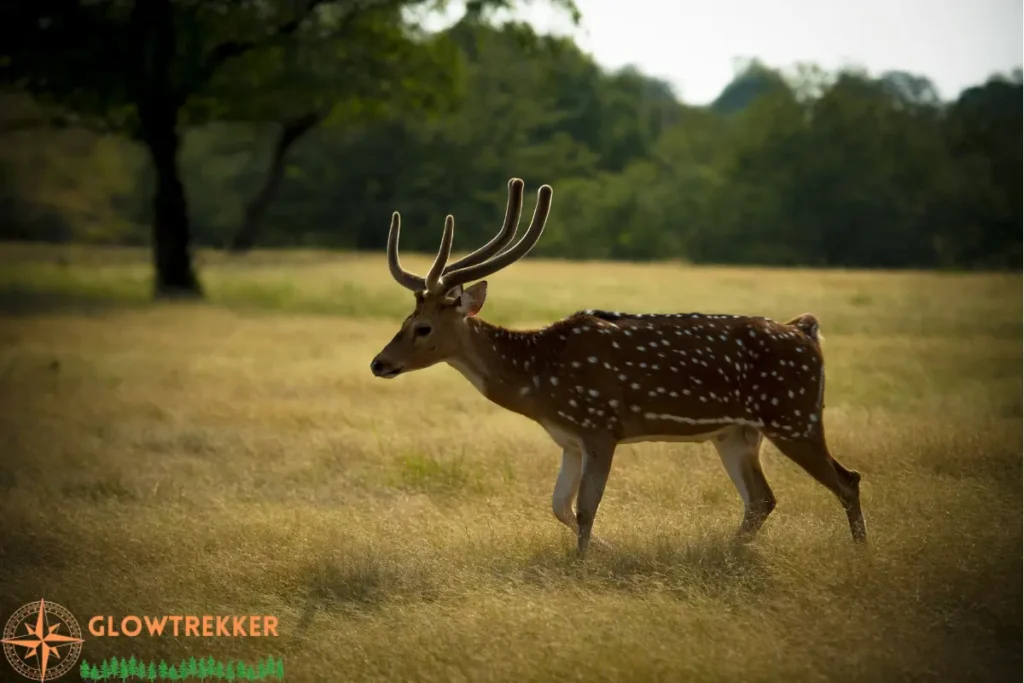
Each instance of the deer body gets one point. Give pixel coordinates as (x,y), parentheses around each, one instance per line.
(647,377)
(598,379)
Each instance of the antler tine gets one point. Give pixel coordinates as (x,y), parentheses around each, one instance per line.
(516,252)
(513,212)
(434,274)
(401,275)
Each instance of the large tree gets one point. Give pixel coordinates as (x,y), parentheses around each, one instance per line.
(149,69)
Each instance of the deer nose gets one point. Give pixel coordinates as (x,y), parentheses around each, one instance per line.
(376,367)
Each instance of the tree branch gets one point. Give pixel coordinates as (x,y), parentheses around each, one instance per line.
(234,48)
(291,130)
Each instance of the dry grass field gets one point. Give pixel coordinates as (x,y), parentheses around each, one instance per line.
(237,457)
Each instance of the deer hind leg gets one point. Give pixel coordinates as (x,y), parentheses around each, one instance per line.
(597,463)
(812,454)
(739,448)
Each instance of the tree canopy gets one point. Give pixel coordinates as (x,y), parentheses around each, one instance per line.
(798,167)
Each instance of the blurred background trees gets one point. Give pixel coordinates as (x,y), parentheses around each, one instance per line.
(305,123)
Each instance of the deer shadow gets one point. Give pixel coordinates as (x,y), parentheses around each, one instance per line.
(707,565)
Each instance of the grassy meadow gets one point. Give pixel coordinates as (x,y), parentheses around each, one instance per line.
(237,457)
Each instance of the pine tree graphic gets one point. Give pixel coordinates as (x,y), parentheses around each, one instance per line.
(172,674)
(94,673)
(83,670)
(162,671)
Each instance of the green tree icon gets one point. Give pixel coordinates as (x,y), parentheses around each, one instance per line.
(219,671)
(152,672)
(122,669)
(211,666)
(83,670)
(94,673)
(280,669)
(192,669)
(133,666)
(172,674)
(162,671)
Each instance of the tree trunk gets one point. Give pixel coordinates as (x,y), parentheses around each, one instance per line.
(172,258)
(155,33)
(256,209)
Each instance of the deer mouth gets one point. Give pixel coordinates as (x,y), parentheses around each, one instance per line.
(381,368)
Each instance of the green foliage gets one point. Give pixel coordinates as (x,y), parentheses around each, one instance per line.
(147,69)
(202,669)
(802,168)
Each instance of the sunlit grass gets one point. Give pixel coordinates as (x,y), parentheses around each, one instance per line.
(237,456)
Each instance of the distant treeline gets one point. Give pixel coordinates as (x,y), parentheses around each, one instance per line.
(802,168)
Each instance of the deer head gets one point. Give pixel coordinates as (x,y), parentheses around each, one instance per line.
(436,329)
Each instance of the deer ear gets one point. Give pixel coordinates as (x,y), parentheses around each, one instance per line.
(471,300)
(455,292)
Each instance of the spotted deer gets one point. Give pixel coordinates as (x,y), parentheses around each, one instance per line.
(598,379)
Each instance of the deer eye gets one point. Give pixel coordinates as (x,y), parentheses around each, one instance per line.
(421,330)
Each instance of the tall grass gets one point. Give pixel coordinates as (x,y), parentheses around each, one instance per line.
(236,456)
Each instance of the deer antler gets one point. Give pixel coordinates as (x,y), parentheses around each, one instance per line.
(513,211)
(401,275)
(487,259)
(434,274)
(520,249)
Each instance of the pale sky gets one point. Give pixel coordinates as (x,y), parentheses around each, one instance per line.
(693,43)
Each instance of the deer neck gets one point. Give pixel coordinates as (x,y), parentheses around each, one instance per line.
(497,362)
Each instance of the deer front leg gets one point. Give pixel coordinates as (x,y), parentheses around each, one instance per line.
(566,486)
(597,463)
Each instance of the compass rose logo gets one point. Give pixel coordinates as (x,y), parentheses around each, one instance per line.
(42,641)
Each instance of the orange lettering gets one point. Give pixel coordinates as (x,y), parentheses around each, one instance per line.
(237,627)
(254,627)
(270,626)
(127,631)
(191,626)
(207,626)
(110,628)
(156,628)
(176,620)
(222,626)
(93,628)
